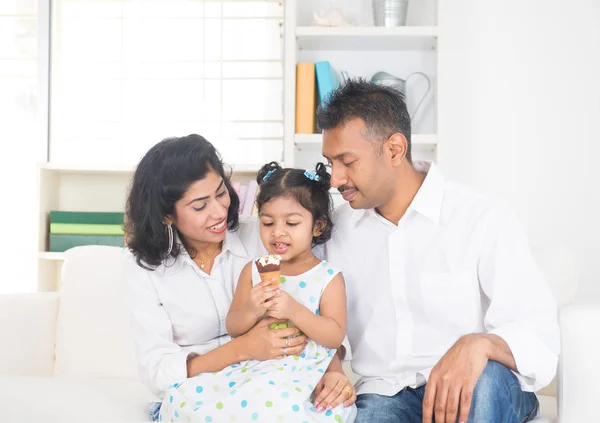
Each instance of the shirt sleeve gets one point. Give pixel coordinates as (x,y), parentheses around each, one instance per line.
(522,310)
(161,361)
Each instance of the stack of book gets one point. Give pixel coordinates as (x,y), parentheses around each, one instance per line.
(73,229)
(247,194)
(314,83)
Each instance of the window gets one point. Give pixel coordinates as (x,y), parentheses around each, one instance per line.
(23,141)
(128,73)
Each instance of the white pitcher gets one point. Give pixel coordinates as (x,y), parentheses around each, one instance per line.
(384,78)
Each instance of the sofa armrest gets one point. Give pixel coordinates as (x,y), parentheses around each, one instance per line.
(578,384)
(27,333)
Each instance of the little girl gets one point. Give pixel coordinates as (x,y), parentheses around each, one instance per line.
(294,209)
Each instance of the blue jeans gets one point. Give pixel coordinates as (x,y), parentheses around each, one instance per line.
(497,398)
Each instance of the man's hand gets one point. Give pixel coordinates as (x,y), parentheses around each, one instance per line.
(452,381)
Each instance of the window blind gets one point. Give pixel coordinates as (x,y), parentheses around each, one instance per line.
(128,73)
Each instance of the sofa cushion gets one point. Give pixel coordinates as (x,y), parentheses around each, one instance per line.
(92,332)
(65,400)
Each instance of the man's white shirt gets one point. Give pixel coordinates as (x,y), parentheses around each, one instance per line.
(456,263)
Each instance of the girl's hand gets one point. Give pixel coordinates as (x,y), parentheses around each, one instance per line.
(283,306)
(262,343)
(258,303)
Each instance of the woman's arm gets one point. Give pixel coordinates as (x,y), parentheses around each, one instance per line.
(248,303)
(328,328)
(260,343)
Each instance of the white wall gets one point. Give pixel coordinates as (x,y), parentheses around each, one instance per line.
(520,84)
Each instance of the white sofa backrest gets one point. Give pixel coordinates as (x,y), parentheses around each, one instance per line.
(92,330)
(27,334)
(561,269)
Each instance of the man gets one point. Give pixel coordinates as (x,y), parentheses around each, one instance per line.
(448,316)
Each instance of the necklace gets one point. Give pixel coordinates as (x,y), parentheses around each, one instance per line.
(202,262)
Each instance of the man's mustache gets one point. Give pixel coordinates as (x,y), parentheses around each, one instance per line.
(346,188)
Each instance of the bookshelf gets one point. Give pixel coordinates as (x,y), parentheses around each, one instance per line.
(362,50)
(71,187)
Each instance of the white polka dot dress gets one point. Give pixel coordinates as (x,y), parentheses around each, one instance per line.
(262,391)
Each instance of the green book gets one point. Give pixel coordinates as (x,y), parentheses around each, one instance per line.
(62,242)
(106,218)
(85,229)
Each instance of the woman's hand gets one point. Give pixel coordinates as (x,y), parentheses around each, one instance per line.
(262,343)
(334,388)
(283,306)
(258,303)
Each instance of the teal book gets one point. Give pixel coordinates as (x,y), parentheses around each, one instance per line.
(104,218)
(327,80)
(62,242)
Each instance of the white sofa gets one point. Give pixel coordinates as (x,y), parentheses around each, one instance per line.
(68,356)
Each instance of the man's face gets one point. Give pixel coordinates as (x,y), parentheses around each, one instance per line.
(359,168)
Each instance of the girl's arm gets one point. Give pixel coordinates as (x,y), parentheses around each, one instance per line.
(328,328)
(248,303)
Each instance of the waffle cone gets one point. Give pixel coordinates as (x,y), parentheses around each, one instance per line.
(270,275)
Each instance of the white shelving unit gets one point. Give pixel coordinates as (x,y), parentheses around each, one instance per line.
(366,38)
(78,187)
(429,140)
(361,50)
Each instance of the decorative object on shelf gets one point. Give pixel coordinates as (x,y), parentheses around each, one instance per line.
(384,78)
(390,12)
(333,16)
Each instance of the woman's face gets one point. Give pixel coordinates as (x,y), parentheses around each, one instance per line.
(201,215)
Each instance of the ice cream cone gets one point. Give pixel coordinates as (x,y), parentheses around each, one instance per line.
(269,267)
(270,275)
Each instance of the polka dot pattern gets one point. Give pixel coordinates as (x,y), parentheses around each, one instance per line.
(278,391)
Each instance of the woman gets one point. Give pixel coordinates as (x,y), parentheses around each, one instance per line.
(188,248)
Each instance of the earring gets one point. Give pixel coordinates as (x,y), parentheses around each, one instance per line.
(170,235)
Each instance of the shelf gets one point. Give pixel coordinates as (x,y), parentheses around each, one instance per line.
(46,255)
(367,38)
(120,170)
(316,139)
(303,139)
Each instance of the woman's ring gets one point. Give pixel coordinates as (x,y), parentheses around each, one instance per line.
(287,342)
(348,391)
(284,352)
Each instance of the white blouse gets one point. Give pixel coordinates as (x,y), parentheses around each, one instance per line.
(178,311)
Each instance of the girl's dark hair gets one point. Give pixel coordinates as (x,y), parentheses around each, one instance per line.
(311,194)
(161,179)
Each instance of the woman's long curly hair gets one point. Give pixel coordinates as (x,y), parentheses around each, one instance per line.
(161,179)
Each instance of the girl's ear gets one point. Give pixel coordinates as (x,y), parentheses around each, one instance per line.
(319,226)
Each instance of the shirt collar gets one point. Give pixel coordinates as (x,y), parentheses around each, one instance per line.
(232,243)
(427,201)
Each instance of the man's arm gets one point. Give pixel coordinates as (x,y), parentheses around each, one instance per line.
(522,311)
(521,323)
